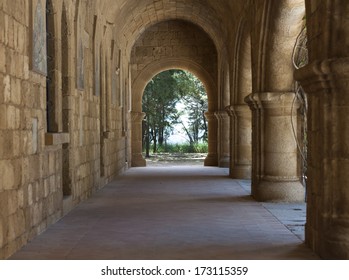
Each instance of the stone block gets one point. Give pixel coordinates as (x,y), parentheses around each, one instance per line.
(26,142)
(12,203)
(38,191)
(5,28)
(41,103)
(19,64)
(46,187)
(47,204)
(20,223)
(10,62)
(34,168)
(20,198)
(2,58)
(6,144)
(6,85)
(3,203)
(26,67)
(26,119)
(34,137)
(13,117)
(2,27)
(11,225)
(30,194)
(17,123)
(21,39)
(10,34)
(51,163)
(37,213)
(25,170)
(52,184)
(15,27)
(68,102)
(16,144)
(7,175)
(15,91)
(2,232)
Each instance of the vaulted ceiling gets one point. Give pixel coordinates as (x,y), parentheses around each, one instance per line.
(132,17)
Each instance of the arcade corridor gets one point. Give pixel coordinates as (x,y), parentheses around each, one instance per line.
(169,213)
(72,76)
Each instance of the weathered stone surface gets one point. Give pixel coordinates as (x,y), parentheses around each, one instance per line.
(2,229)
(7,175)
(233,47)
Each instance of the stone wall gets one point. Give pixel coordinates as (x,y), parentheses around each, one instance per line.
(174,39)
(43,175)
(50,160)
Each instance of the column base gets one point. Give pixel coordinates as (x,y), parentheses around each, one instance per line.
(138,161)
(240,172)
(224,162)
(211,160)
(280,191)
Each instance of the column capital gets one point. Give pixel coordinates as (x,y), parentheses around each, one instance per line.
(230,110)
(221,114)
(137,116)
(237,110)
(252,102)
(210,116)
(321,76)
(261,100)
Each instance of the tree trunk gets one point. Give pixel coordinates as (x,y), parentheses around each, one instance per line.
(147,141)
(205,126)
(161,136)
(154,141)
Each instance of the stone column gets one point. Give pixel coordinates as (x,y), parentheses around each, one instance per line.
(212,157)
(137,159)
(240,141)
(223,136)
(275,170)
(327,85)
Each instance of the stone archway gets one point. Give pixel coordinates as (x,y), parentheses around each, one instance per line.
(241,123)
(138,86)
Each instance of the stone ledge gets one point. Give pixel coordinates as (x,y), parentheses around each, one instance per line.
(52,139)
(321,74)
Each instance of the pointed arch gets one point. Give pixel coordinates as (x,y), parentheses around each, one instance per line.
(240,114)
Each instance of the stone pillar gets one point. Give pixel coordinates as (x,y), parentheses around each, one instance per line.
(275,170)
(240,141)
(327,85)
(223,136)
(212,157)
(137,159)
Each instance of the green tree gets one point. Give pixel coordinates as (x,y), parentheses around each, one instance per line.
(160,100)
(194,99)
(159,103)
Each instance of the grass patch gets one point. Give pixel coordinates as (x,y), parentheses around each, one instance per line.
(182,148)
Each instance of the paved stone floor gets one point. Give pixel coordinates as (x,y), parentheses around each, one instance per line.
(173,212)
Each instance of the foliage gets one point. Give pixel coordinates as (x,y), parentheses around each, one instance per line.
(160,99)
(194,99)
(183,148)
(159,103)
